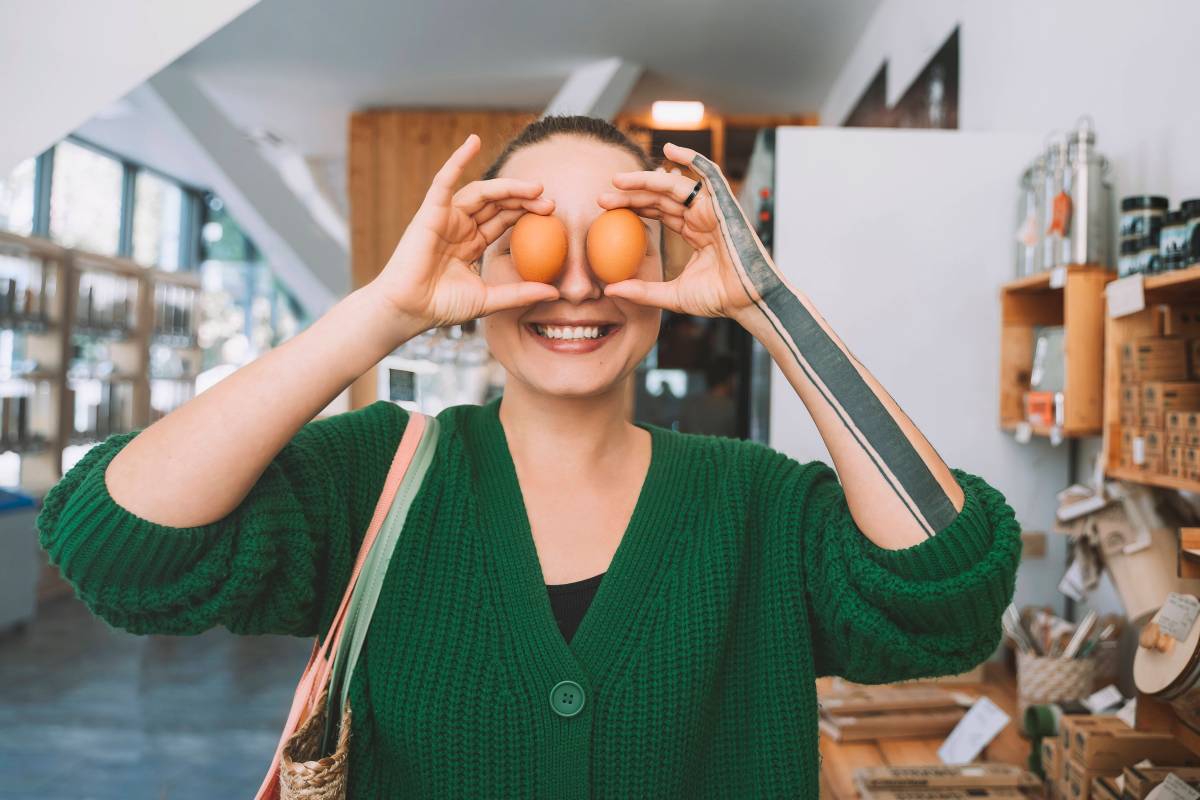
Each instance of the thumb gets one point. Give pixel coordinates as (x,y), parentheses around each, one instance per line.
(513,295)
(646,293)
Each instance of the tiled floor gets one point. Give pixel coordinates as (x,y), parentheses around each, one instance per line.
(88,712)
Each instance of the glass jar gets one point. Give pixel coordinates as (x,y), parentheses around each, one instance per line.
(1141,218)
(1191,232)
(1170,242)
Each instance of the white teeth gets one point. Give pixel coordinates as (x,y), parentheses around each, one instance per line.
(569,332)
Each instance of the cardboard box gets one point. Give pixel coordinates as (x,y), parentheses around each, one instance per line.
(1152,419)
(1155,358)
(1076,782)
(1194,357)
(1167,396)
(1139,781)
(1052,759)
(946,782)
(1181,321)
(1155,443)
(1104,743)
(1105,789)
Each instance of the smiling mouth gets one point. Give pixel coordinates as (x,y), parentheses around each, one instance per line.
(571,333)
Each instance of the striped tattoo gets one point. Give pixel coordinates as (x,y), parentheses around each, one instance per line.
(827,366)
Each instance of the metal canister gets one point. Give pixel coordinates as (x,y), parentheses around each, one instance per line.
(1091,210)
(1171,240)
(1141,218)
(1191,231)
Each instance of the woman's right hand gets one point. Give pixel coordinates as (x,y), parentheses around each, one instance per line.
(432,278)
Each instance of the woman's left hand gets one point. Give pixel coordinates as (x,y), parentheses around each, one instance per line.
(729,269)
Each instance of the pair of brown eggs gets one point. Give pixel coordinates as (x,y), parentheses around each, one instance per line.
(616,245)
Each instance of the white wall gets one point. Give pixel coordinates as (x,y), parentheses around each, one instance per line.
(903,258)
(1036,67)
(64,60)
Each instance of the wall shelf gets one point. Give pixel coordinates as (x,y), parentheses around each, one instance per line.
(52,341)
(1174,288)
(1070,296)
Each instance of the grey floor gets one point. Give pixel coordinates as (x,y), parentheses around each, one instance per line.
(88,712)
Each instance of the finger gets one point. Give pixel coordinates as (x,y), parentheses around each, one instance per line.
(441,190)
(502,296)
(672,221)
(671,184)
(472,197)
(638,199)
(680,155)
(646,293)
(495,227)
(538,205)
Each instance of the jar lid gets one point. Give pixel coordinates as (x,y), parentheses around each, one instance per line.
(1155,669)
(1138,201)
(1190,208)
(1176,217)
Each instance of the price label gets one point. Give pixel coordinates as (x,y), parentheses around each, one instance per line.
(1104,699)
(1126,295)
(1128,713)
(1058,277)
(973,732)
(1139,450)
(1173,788)
(1178,615)
(1023,433)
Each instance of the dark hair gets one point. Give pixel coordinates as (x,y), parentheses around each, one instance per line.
(600,130)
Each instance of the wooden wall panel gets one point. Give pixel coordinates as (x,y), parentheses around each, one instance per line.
(393,156)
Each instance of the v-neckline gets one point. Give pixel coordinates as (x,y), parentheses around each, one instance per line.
(629,581)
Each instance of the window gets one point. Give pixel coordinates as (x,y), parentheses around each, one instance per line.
(16,198)
(157,218)
(85,199)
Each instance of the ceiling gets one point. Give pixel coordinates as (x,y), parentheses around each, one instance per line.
(298,68)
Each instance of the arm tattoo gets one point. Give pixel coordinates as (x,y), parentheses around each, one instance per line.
(827,366)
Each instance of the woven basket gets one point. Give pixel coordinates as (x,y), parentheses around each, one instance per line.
(1042,679)
(303,773)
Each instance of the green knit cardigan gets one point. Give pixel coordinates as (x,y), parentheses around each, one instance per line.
(740,579)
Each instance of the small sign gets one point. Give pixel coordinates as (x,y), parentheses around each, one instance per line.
(1139,450)
(1056,435)
(1173,788)
(1058,277)
(1104,699)
(1024,432)
(973,732)
(1178,615)
(1128,713)
(1126,295)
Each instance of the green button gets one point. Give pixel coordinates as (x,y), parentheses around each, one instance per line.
(566,698)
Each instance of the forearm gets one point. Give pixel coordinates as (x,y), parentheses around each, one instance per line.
(196,464)
(897,487)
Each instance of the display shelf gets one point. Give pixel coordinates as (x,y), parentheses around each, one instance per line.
(1178,287)
(100,299)
(1070,296)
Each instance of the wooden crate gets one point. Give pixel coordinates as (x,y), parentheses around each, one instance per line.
(1077,305)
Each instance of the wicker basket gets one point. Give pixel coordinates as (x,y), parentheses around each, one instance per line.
(1042,679)
(303,773)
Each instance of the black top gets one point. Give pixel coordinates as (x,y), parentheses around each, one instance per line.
(570,602)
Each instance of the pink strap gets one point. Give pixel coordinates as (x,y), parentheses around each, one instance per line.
(320,661)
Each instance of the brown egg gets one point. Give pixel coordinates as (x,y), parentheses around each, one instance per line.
(616,245)
(539,247)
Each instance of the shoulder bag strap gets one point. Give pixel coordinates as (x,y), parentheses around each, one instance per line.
(370,581)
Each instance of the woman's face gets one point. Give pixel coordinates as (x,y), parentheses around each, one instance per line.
(573,171)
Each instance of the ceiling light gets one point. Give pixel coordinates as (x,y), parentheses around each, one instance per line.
(677,112)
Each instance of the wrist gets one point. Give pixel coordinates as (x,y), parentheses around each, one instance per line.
(378,326)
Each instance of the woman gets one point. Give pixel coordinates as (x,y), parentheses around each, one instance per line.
(729,575)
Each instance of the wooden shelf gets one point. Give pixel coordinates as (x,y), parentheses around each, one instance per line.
(54,345)
(1045,430)
(1076,302)
(1177,287)
(1135,475)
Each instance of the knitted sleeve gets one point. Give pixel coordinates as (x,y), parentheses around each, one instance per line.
(266,567)
(879,615)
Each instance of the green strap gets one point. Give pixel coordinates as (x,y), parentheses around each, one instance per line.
(370,581)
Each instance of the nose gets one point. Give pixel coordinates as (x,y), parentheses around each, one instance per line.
(577,283)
